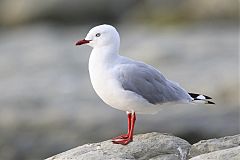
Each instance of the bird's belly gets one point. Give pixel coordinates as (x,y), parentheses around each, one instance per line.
(108,90)
(112,93)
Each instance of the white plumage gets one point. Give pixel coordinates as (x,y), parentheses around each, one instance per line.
(129,85)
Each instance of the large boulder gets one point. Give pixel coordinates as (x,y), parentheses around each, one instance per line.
(145,146)
(157,146)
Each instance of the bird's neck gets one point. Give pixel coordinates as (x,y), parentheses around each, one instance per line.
(106,55)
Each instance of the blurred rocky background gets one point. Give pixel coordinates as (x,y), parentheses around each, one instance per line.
(47,104)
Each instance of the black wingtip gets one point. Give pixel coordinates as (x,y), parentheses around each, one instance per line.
(209,102)
(207,97)
(195,95)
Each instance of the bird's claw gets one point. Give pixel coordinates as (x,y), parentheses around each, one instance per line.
(122,141)
(124,136)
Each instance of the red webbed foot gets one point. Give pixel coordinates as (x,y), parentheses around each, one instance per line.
(122,141)
(124,136)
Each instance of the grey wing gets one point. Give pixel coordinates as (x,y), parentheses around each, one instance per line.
(147,82)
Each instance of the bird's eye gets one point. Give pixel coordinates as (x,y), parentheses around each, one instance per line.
(98,35)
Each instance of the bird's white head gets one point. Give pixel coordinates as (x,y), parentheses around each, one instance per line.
(101,36)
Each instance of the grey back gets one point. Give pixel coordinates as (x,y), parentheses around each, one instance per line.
(149,83)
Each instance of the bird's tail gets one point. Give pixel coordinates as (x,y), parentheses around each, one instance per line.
(200,98)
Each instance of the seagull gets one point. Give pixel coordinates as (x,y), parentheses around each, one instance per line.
(129,85)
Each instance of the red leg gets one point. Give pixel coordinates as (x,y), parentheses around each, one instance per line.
(124,136)
(125,141)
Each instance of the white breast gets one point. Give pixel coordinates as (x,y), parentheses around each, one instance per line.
(102,83)
(103,80)
(108,88)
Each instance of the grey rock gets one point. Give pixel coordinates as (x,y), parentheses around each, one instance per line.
(157,146)
(211,145)
(154,146)
(231,154)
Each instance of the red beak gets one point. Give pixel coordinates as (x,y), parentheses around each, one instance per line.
(82,42)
